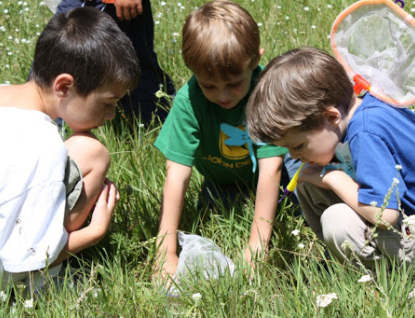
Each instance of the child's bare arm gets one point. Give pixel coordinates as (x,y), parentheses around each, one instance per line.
(97,228)
(265,205)
(175,187)
(347,190)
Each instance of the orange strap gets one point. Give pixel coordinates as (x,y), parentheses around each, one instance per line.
(108,1)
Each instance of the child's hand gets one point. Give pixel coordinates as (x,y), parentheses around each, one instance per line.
(252,253)
(128,9)
(168,268)
(104,207)
(164,277)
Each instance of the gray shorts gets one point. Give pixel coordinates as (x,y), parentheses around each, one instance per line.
(73,183)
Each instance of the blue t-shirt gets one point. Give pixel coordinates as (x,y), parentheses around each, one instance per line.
(381,137)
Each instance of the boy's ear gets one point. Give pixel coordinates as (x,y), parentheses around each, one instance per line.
(333,116)
(261,51)
(62,84)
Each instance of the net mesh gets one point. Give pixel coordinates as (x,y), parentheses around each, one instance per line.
(376,39)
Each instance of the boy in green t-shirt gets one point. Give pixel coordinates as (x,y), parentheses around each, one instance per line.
(206,127)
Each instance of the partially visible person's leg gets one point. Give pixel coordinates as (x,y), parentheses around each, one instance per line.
(93,161)
(335,223)
(314,201)
(142,101)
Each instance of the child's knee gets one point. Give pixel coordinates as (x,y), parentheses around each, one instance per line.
(88,153)
(337,223)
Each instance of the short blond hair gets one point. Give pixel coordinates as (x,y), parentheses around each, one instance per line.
(220,37)
(293,91)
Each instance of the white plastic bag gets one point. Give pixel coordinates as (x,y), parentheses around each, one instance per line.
(200,255)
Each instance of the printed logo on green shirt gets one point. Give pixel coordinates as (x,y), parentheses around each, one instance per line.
(233,142)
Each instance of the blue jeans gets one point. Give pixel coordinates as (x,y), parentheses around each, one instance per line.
(142,101)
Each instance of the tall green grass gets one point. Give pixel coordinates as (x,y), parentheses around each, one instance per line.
(114,279)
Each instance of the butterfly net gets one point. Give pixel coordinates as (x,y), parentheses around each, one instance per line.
(376,40)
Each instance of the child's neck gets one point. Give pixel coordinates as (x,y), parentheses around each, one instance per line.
(28,96)
(354,104)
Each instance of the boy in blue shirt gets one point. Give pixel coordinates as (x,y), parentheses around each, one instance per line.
(206,126)
(304,101)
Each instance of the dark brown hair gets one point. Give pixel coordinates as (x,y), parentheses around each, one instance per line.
(87,44)
(293,91)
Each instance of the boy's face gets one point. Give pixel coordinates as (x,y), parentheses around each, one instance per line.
(226,93)
(315,147)
(83,113)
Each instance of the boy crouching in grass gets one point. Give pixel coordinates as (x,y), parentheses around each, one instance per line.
(83,64)
(206,128)
(304,101)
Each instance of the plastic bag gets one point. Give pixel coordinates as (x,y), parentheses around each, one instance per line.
(200,255)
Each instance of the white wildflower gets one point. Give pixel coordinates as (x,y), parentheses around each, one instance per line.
(329,6)
(373,203)
(395,182)
(412,9)
(411,294)
(301,245)
(197,297)
(325,300)
(398,167)
(365,279)
(410,220)
(259,24)
(295,232)
(287,17)
(3,296)
(306,9)
(314,27)
(162,3)
(28,303)
(5,11)
(96,292)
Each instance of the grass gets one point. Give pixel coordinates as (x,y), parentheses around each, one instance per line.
(114,277)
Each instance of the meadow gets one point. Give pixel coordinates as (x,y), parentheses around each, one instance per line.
(114,278)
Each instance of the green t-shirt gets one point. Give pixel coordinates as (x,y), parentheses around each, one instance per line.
(198,132)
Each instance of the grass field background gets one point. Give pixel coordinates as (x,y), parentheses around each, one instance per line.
(114,278)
